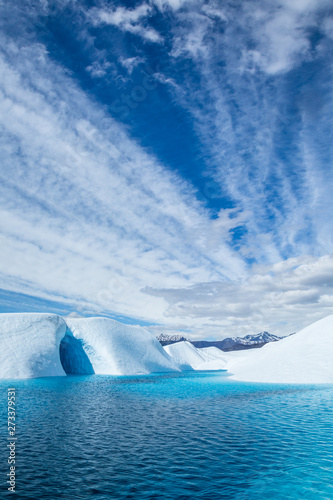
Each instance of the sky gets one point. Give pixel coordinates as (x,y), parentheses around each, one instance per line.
(168,163)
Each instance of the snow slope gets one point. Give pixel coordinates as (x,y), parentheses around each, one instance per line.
(117,349)
(30,345)
(189,357)
(215,359)
(303,358)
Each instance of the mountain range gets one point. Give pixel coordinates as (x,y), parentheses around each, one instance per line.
(228,344)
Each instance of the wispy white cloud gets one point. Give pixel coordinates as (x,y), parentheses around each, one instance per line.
(189,37)
(241,116)
(130,20)
(169,4)
(160,77)
(281,32)
(328,26)
(99,69)
(131,62)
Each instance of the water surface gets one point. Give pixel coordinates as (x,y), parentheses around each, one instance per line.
(167,437)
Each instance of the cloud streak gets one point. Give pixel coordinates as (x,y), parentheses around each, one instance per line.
(127,20)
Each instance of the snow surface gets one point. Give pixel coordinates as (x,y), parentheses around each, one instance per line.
(30,345)
(215,359)
(117,349)
(303,358)
(189,357)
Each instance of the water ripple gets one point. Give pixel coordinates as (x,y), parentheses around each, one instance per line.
(170,437)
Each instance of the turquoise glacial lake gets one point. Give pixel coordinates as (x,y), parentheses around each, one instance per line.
(168,437)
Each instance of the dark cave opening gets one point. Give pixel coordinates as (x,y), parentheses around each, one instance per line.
(73,358)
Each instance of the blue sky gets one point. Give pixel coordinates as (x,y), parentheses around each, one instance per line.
(168,162)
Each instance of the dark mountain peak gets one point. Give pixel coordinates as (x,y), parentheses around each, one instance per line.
(170,339)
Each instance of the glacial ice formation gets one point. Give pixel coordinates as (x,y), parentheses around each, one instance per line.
(117,349)
(30,345)
(189,357)
(303,358)
(43,345)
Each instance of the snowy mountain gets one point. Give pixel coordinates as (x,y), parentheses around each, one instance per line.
(170,339)
(305,358)
(228,344)
(239,343)
(259,338)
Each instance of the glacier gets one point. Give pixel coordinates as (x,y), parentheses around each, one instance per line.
(43,345)
(30,345)
(117,349)
(303,358)
(189,357)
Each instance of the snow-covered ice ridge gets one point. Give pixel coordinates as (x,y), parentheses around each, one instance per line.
(189,357)
(41,345)
(303,358)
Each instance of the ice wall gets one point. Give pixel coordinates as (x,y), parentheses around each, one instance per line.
(41,345)
(117,349)
(30,345)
